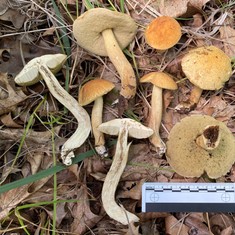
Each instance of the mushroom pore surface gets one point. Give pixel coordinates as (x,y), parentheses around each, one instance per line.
(190,160)
(89,26)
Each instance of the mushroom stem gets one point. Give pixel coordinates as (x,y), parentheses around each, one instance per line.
(195,95)
(96,120)
(155,120)
(122,65)
(84,126)
(210,138)
(112,179)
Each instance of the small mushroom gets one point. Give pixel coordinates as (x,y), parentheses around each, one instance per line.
(44,68)
(94,91)
(105,33)
(163,33)
(160,81)
(122,128)
(199,144)
(207,68)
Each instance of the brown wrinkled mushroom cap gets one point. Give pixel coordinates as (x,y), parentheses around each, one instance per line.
(163,33)
(190,160)
(88,28)
(207,67)
(160,79)
(94,89)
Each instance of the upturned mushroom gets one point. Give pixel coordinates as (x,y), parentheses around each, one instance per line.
(94,90)
(105,33)
(200,144)
(122,128)
(44,68)
(207,68)
(160,81)
(163,33)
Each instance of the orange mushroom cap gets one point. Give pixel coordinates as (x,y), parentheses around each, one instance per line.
(163,33)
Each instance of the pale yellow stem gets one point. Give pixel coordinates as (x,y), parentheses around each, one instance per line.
(195,95)
(96,120)
(122,65)
(120,158)
(155,120)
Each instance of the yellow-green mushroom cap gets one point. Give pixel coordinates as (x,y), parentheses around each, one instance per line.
(189,159)
(207,67)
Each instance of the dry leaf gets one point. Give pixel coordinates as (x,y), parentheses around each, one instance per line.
(8,121)
(14,16)
(175,227)
(227,35)
(83,216)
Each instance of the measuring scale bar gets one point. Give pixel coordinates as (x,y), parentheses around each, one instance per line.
(188,197)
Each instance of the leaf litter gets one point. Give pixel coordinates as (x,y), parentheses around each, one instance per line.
(79,208)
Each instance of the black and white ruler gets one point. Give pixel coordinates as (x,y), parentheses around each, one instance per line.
(188,197)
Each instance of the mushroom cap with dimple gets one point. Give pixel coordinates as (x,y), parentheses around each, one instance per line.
(190,160)
(88,28)
(163,33)
(160,79)
(207,67)
(135,129)
(94,89)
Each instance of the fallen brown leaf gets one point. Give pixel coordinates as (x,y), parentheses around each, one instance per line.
(175,227)
(227,35)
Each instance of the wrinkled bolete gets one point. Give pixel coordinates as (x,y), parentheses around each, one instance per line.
(123,128)
(94,90)
(163,33)
(106,33)
(200,144)
(160,81)
(208,68)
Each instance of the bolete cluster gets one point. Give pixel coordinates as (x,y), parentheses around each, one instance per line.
(106,33)
(200,144)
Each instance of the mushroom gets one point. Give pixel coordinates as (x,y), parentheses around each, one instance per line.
(160,81)
(105,33)
(207,68)
(199,144)
(122,128)
(163,33)
(94,91)
(44,68)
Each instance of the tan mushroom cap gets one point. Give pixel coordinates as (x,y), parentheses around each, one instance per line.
(160,79)
(94,89)
(190,160)
(88,28)
(135,129)
(207,67)
(163,33)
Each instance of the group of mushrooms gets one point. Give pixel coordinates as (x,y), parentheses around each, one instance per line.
(196,144)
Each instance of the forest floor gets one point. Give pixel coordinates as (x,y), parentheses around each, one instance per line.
(39,195)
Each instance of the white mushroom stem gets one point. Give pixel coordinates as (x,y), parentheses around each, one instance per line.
(115,211)
(155,120)
(210,138)
(84,126)
(122,65)
(96,120)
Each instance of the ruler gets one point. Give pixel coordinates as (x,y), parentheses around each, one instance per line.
(188,197)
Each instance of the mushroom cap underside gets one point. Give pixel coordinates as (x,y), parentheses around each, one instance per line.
(88,28)
(30,75)
(207,67)
(190,160)
(135,129)
(94,89)
(160,79)
(163,33)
